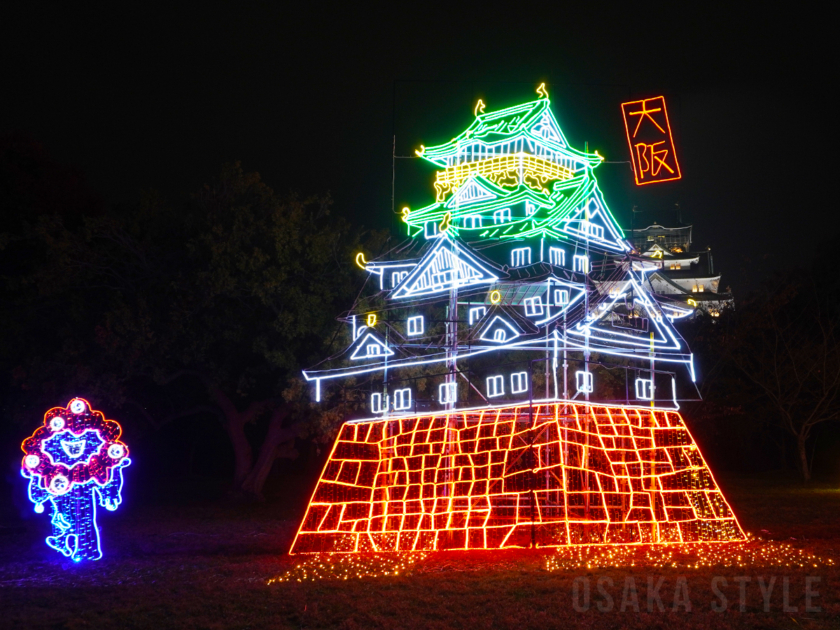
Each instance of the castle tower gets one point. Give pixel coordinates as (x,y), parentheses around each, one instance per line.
(523,382)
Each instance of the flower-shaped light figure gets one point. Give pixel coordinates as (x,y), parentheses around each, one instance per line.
(74,461)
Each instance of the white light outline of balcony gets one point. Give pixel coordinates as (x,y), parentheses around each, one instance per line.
(644,389)
(519,382)
(412,329)
(520,257)
(579,330)
(583,380)
(402,399)
(495,386)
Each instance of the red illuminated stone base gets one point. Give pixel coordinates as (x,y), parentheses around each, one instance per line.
(560,474)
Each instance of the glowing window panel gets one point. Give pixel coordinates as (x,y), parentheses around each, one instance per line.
(402,399)
(495,386)
(476,313)
(74,462)
(644,389)
(533,306)
(415,325)
(501,216)
(584,382)
(520,257)
(500,335)
(581,263)
(650,141)
(561,297)
(519,382)
(556,256)
(448,393)
(377,405)
(397,277)
(644,480)
(530,208)
(473,222)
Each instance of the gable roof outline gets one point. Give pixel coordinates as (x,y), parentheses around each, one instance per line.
(532,121)
(361,344)
(665,337)
(434,273)
(487,332)
(476,189)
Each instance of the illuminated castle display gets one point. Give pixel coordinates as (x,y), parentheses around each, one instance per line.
(523,383)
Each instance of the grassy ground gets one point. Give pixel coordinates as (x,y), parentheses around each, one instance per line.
(207,566)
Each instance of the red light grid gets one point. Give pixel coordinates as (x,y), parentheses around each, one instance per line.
(562,474)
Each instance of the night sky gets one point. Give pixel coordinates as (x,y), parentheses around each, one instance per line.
(155,97)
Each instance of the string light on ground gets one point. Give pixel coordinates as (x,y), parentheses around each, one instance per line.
(350,566)
(754,553)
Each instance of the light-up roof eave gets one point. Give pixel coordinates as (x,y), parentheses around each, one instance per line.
(521,121)
(440,156)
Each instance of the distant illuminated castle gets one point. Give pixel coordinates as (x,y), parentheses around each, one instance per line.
(520,376)
(683,275)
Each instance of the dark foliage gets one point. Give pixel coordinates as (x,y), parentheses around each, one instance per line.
(163,312)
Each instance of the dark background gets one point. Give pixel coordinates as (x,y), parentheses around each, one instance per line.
(318,97)
(310,95)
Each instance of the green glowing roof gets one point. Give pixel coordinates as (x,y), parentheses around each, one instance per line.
(532,121)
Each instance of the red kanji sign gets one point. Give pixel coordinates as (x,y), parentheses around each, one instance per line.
(649,137)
